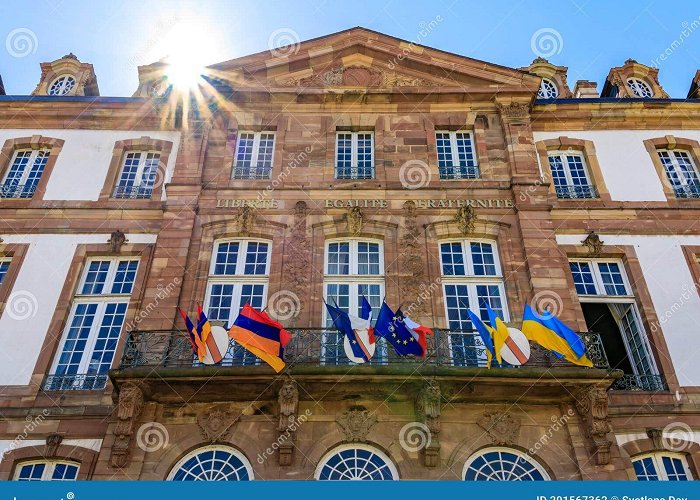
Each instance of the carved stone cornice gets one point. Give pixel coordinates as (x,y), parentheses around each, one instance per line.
(129,406)
(592,406)
(216,424)
(501,427)
(356,423)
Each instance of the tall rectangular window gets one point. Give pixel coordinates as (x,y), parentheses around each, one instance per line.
(254,154)
(138,175)
(456,155)
(24,173)
(97,315)
(354,157)
(4,267)
(681,172)
(570,176)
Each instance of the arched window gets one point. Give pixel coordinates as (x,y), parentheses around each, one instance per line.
(503,464)
(640,88)
(661,467)
(238,274)
(358,463)
(212,463)
(548,90)
(47,470)
(353,268)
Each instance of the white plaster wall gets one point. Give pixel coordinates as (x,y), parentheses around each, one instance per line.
(81,167)
(626,164)
(670,284)
(34,296)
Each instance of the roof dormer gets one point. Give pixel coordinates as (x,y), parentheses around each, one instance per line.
(153,81)
(694,92)
(67,76)
(633,80)
(553,84)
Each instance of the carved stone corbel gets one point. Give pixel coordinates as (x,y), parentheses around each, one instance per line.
(53,441)
(428,408)
(356,423)
(288,399)
(116,240)
(244,219)
(355,220)
(129,407)
(500,426)
(592,406)
(593,243)
(465,219)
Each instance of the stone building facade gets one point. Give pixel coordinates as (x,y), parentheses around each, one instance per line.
(336,170)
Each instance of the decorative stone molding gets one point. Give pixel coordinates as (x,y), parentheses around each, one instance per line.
(357,76)
(129,407)
(656,436)
(116,240)
(216,423)
(465,219)
(500,426)
(355,220)
(557,74)
(68,65)
(594,244)
(616,82)
(244,219)
(412,263)
(356,423)
(53,441)
(298,261)
(514,110)
(428,408)
(288,399)
(592,406)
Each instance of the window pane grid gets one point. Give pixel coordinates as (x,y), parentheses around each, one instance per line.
(24,173)
(354,155)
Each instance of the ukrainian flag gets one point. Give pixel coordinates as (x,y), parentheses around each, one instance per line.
(261,335)
(500,331)
(486,334)
(552,334)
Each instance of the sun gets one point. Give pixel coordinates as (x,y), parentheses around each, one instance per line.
(186,45)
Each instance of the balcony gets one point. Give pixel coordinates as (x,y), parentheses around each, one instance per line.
(689,191)
(448,172)
(252,172)
(75,382)
(10,190)
(573,192)
(133,192)
(343,172)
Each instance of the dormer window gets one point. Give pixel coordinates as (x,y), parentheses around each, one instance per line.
(640,88)
(548,90)
(62,85)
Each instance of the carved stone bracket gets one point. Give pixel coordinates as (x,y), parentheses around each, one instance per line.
(592,406)
(53,441)
(116,240)
(465,219)
(244,219)
(216,423)
(129,407)
(501,427)
(594,244)
(356,423)
(428,408)
(288,399)
(355,220)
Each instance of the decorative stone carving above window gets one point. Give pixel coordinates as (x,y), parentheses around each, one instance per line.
(551,74)
(67,76)
(500,426)
(356,423)
(357,76)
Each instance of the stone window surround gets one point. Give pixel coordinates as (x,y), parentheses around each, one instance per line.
(474,124)
(627,255)
(587,149)
(85,457)
(16,253)
(65,302)
(235,127)
(671,143)
(121,148)
(639,447)
(34,142)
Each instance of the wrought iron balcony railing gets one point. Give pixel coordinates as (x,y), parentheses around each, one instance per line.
(689,191)
(572,192)
(356,172)
(324,347)
(9,190)
(133,192)
(75,382)
(252,172)
(653,383)
(458,172)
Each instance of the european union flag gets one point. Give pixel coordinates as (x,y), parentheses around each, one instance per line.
(391,326)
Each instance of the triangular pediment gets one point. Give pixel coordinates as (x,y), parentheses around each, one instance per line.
(363,59)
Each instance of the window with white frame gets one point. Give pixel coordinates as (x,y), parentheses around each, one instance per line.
(640,88)
(212,463)
(4,267)
(681,172)
(61,85)
(662,467)
(356,462)
(24,173)
(138,174)
(238,275)
(570,175)
(471,278)
(354,155)
(254,154)
(353,268)
(456,155)
(607,298)
(47,470)
(94,326)
(503,464)
(548,89)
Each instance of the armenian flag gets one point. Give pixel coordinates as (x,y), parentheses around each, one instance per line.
(261,335)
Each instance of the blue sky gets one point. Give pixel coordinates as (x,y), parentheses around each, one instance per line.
(116,36)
